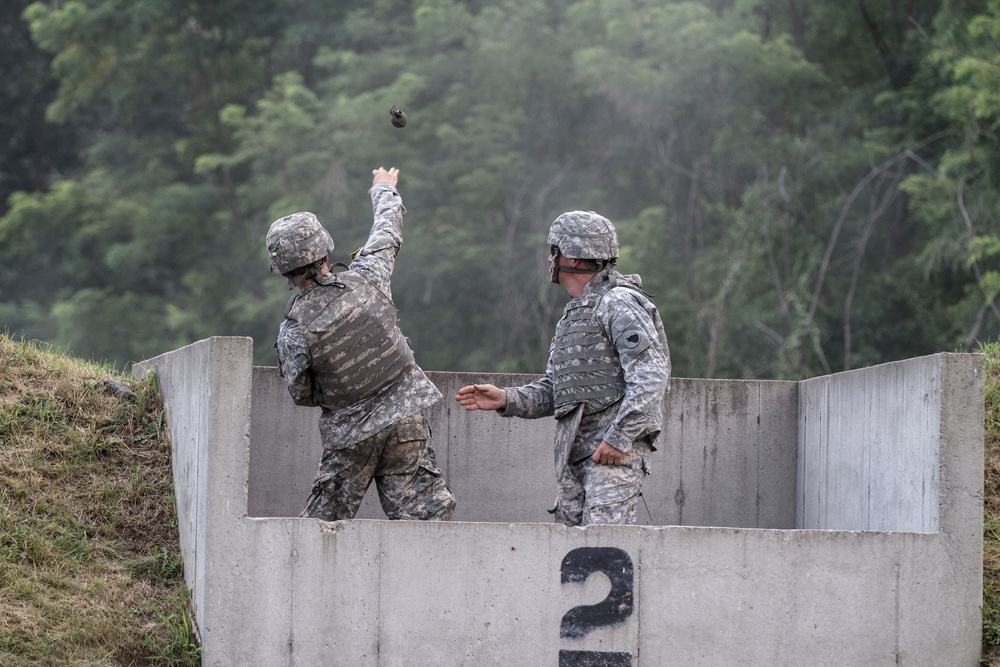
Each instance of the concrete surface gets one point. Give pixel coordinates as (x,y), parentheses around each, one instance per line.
(836,521)
(727,457)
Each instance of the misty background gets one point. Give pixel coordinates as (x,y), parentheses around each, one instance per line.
(805,186)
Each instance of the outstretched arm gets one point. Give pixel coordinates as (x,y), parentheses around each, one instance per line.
(482,397)
(388,176)
(377,258)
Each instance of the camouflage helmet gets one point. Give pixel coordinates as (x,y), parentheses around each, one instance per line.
(584,235)
(295,241)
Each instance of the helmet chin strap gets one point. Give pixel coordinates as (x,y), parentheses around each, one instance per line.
(310,271)
(556,268)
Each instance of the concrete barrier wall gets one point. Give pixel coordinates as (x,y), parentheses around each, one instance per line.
(727,456)
(206,389)
(275,591)
(870,456)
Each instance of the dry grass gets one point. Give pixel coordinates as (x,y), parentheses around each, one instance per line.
(991,510)
(90,572)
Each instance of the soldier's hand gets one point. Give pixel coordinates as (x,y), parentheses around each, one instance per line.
(607,455)
(390,176)
(482,397)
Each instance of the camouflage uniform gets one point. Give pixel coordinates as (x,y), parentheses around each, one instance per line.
(381,436)
(627,327)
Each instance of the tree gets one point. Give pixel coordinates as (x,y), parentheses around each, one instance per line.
(34,151)
(801,185)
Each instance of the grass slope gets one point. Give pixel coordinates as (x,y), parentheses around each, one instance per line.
(90,568)
(90,571)
(991,509)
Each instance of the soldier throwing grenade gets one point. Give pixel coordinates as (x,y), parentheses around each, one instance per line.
(340,348)
(606,377)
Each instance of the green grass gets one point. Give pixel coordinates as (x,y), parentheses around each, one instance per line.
(90,567)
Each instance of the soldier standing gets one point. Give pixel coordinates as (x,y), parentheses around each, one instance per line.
(605,380)
(340,348)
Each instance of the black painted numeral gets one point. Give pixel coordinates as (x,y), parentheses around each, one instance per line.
(577,566)
(594,659)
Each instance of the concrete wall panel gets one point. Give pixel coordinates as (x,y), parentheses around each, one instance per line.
(288,591)
(739,471)
(869,448)
(336,619)
(500,469)
(510,603)
(778,454)
(206,392)
(252,623)
(704,600)
(813,426)
(379,593)
(286,449)
(727,455)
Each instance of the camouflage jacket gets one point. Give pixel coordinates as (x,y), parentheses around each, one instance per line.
(639,413)
(405,396)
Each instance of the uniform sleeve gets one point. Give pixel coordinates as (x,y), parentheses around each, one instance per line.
(532,400)
(377,257)
(635,333)
(295,363)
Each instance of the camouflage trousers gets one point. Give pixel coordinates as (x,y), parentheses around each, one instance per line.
(409,483)
(593,493)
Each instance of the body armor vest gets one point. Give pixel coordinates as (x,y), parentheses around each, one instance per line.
(357,348)
(585,364)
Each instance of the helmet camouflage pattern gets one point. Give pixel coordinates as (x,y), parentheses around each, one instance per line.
(584,235)
(295,241)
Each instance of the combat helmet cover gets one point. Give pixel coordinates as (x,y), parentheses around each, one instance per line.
(295,241)
(584,235)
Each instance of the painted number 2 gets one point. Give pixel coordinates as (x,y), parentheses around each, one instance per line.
(576,567)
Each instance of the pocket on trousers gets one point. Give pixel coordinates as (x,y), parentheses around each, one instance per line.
(430,469)
(411,428)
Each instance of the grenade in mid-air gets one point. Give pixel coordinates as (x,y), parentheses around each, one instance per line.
(398,117)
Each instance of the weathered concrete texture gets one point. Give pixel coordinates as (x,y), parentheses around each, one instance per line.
(206,390)
(870,456)
(726,457)
(896,446)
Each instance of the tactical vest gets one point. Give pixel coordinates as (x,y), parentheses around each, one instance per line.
(585,364)
(357,348)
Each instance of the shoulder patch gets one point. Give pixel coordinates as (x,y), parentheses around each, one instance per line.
(628,335)
(631,339)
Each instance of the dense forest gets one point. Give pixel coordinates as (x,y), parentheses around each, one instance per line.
(805,186)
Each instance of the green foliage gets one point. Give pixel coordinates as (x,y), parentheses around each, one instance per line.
(34,150)
(182,648)
(805,187)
